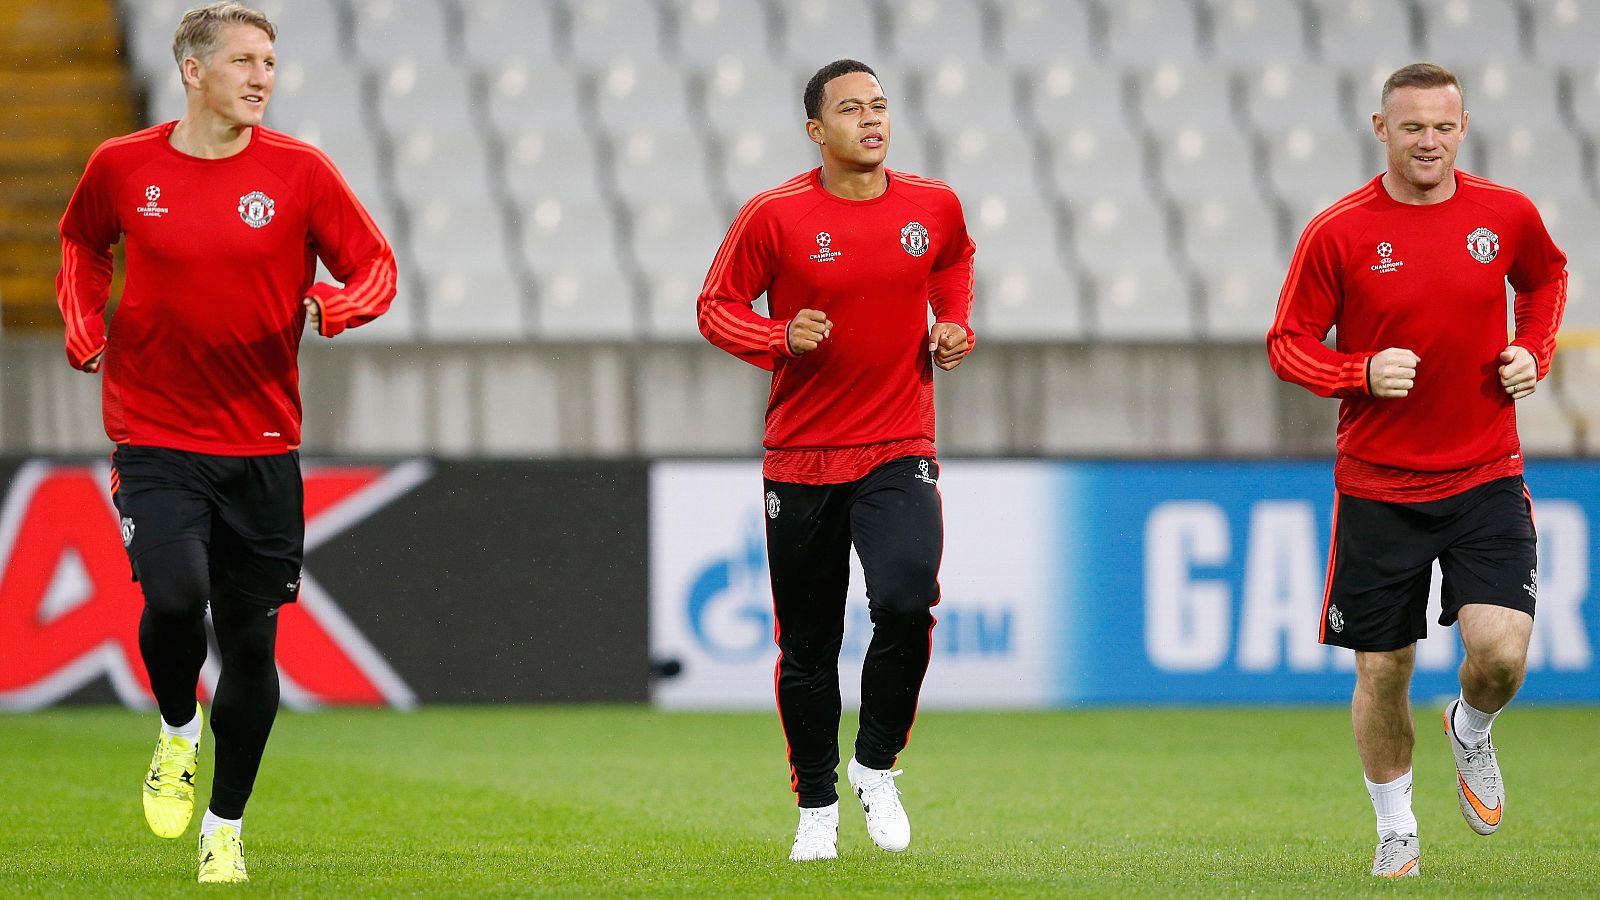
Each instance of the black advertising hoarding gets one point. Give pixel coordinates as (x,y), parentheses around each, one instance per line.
(425,581)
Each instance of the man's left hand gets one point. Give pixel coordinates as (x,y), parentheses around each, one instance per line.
(1519,374)
(313,314)
(947,342)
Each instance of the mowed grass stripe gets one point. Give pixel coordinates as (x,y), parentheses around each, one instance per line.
(625,801)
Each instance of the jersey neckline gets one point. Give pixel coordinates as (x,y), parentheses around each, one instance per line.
(166,141)
(889,178)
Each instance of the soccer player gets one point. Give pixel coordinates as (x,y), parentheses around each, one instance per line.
(1412,270)
(851,256)
(223,222)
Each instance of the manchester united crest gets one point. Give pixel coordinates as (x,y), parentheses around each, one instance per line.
(1484,245)
(257,209)
(914,238)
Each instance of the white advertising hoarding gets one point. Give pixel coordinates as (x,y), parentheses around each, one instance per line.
(711,599)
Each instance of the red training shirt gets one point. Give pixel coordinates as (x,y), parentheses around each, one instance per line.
(865,395)
(1431,279)
(202,352)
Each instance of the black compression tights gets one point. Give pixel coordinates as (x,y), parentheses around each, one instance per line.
(172,640)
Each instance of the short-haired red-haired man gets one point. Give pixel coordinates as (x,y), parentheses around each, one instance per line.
(1412,270)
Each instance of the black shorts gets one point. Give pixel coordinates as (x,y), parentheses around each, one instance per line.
(1383,555)
(248,512)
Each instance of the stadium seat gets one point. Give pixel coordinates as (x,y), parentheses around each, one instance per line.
(475,306)
(1502,96)
(1151,32)
(1310,169)
(1112,235)
(325,95)
(933,32)
(983,159)
(551,162)
(819,31)
(165,99)
(1279,96)
(1092,163)
(1039,34)
(461,236)
(1172,97)
(739,95)
(1362,32)
(563,234)
(1565,32)
(976,94)
(630,95)
(665,163)
(446,165)
(500,33)
(534,97)
(714,31)
(1064,98)
(387,31)
(1144,304)
(754,161)
(1194,164)
(1459,34)
(579,304)
(1583,90)
(1542,163)
(1251,33)
(1240,301)
(1220,234)
(411,94)
(1573,220)
(1027,304)
(1014,231)
(674,244)
(605,32)
(355,156)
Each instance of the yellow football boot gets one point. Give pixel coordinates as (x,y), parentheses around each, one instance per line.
(222,857)
(169,788)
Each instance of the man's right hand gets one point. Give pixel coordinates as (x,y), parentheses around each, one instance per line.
(1391,373)
(92,364)
(807,330)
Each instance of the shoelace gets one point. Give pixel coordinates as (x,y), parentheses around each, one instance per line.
(226,850)
(816,833)
(880,791)
(1478,759)
(169,766)
(1389,850)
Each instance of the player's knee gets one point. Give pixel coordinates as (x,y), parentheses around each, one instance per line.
(247,639)
(1502,664)
(908,591)
(174,585)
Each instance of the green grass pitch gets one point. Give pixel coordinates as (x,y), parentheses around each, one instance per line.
(624,801)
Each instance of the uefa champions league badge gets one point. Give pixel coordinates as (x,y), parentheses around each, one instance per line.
(914,238)
(1484,245)
(257,209)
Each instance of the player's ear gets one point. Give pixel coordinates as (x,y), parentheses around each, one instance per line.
(1379,127)
(814,131)
(1464,116)
(190,70)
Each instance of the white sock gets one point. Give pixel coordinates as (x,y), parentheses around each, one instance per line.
(189,730)
(1471,724)
(1392,803)
(212,820)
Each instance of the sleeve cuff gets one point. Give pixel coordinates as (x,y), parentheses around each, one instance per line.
(778,340)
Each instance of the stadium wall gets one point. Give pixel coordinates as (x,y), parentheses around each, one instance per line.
(1064,583)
